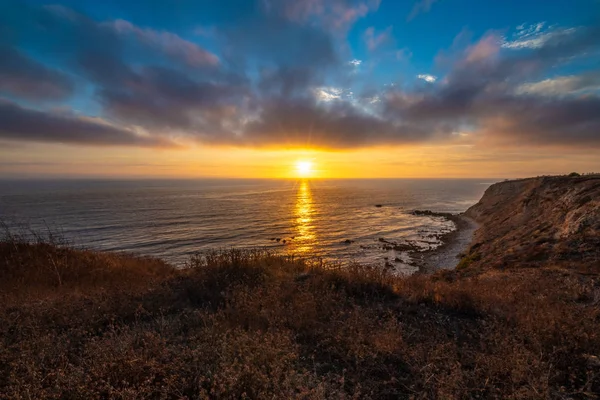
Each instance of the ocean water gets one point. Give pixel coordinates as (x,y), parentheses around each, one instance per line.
(176,218)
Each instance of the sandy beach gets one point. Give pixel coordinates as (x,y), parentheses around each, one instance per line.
(456,242)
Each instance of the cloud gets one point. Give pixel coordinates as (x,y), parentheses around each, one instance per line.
(483,50)
(328,93)
(280,76)
(535,36)
(117,37)
(565,122)
(161,98)
(286,81)
(485,91)
(22,124)
(427,77)
(420,7)
(336,15)
(24,77)
(562,85)
(375,40)
(355,65)
(303,123)
(167,42)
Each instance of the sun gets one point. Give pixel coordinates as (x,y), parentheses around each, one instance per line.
(304,168)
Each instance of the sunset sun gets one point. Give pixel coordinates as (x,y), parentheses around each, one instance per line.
(304,169)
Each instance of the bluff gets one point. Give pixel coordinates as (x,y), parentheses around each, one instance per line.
(538,222)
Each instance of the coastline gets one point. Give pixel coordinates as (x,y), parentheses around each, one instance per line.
(270,325)
(457,242)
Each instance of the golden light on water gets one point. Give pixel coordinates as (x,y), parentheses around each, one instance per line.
(305,236)
(304,168)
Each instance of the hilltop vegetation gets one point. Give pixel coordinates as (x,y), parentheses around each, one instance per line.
(81,324)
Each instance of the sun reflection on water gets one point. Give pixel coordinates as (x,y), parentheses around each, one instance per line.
(305,236)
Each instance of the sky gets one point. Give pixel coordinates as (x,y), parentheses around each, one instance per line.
(251,88)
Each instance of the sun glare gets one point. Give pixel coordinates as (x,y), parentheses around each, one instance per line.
(304,168)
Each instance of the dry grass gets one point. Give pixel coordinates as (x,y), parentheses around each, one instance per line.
(52,268)
(83,325)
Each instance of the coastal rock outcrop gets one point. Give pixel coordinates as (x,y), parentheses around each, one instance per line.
(535,222)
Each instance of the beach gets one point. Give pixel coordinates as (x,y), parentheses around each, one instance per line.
(455,243)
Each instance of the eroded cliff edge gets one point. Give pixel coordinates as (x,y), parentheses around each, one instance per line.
(537,222)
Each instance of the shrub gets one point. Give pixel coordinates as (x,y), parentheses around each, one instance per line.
(254,324)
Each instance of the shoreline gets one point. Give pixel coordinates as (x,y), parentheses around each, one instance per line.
(457,242)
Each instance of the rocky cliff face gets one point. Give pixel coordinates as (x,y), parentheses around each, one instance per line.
(538,222)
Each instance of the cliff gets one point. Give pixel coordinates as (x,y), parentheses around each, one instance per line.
(538,222)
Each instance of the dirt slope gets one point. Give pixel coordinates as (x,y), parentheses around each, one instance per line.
(538,222)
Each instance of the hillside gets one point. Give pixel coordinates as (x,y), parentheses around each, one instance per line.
(538,222)
(519,318)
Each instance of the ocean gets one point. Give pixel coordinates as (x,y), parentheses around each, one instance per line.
(331,219)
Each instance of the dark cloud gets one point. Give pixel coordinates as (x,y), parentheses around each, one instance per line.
(332,15)
(168,43)
(24,77)
(486,92)
(564,121)
(164,98)
(18,123)
(66,34)
(305,123)
(209,104)
(288,81)
(269,83)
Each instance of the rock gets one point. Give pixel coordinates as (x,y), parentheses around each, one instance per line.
(348,241)
(422,212)
(429,213)
(592,361)
(404,247)
(378,205)
(303,276)
(271,238)
(278,239)
(397,259)
(284,241)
